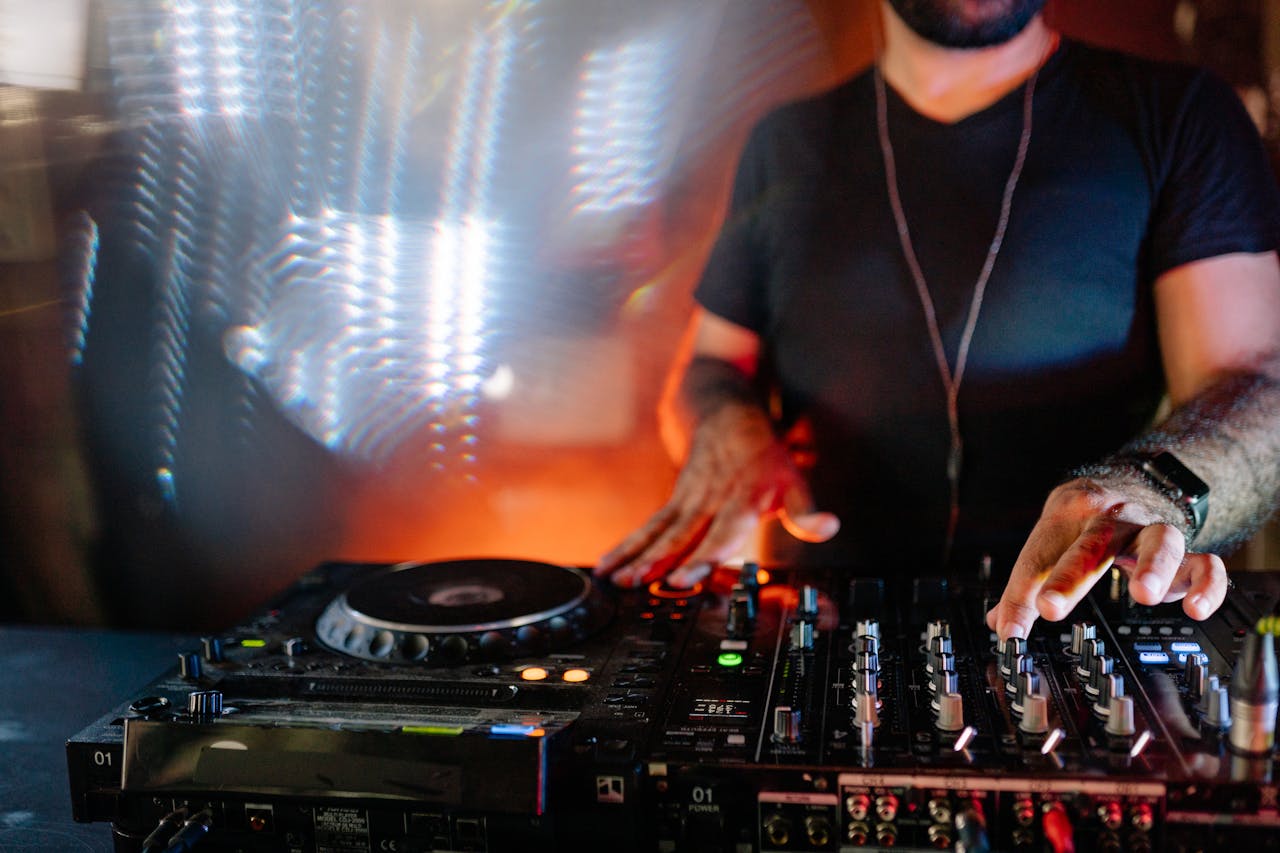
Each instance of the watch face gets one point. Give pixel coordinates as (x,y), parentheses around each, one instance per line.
(1169,471)
(1183,486)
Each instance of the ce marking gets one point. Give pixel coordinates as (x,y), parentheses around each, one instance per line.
(389,845)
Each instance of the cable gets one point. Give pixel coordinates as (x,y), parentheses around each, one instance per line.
(169,825)
(192,833)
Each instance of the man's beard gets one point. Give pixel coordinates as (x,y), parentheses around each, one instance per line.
(967,23)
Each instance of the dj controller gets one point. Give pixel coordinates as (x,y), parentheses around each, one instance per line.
(493,705)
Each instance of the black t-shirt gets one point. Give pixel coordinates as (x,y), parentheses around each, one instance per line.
(1134,168)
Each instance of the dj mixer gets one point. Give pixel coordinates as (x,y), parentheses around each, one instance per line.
(496,704)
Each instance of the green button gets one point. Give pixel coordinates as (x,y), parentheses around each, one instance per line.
(729,659)
(253,644)
(446,731)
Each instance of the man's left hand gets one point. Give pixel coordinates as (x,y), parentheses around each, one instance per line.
(1084,529)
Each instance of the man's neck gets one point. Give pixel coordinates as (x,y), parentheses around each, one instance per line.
(948,84)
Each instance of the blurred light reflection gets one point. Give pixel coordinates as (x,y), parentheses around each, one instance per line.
(422,228)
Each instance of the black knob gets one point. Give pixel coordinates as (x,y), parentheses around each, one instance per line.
(453,648)
(212,648)
(189,666)
(204,704)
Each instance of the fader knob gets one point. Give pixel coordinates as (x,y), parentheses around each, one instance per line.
(739,618)
(1120,717)
(802,636)
(869,628)
(945,660)
(950,712)
(935,628)
(786,724)
(808,607)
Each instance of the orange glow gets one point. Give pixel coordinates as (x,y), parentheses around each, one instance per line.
(576,675)
(533,673)
(538,733)
(762,576)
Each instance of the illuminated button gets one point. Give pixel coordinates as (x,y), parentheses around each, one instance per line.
(439,731)
(762,577)
(1148,646)
(729,659)
(1153,657)
(253,643)
(533,673)
(733,645)
(1182,647)
(735,740)
(515,730)
(576,675)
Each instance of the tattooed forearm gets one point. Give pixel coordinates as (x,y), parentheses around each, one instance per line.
(1229,435)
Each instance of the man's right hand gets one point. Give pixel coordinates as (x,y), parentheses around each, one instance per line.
(735,472)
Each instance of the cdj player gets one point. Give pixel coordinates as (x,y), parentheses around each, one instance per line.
(493,705)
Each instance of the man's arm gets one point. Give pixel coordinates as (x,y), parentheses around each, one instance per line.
(734,468)
(1219,328)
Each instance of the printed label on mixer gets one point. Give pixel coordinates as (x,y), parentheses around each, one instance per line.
(340,830)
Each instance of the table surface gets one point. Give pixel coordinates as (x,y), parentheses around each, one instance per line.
(55,682)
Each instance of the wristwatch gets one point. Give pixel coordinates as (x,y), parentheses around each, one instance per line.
(1177,482)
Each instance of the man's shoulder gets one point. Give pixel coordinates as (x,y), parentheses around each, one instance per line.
(813,120)
(1103,67)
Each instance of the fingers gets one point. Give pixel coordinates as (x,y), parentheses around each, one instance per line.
(799,518)
(636,542)
(1017,610)
(1159,550)
(1207,578)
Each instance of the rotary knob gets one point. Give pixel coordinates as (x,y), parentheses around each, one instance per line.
(1080,632)
(1028,686)
(1217,712)
(950,712)
(1120,718)
(1035,715)
(1101,668)
(211,647)
(944,681)
(1009,651)
(1021,664)
(1196,673)
(1090,649)
(189,666)
(1108,689)
(204,704)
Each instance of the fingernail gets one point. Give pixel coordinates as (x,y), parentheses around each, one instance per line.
(1012,629)
(1053,600)
(1198,606)
(621,578)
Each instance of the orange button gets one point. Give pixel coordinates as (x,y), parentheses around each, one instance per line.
(576,675)
(533,673)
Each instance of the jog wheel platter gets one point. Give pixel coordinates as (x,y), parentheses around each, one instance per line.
(454,612)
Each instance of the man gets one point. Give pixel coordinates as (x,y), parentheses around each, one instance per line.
(972,272)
